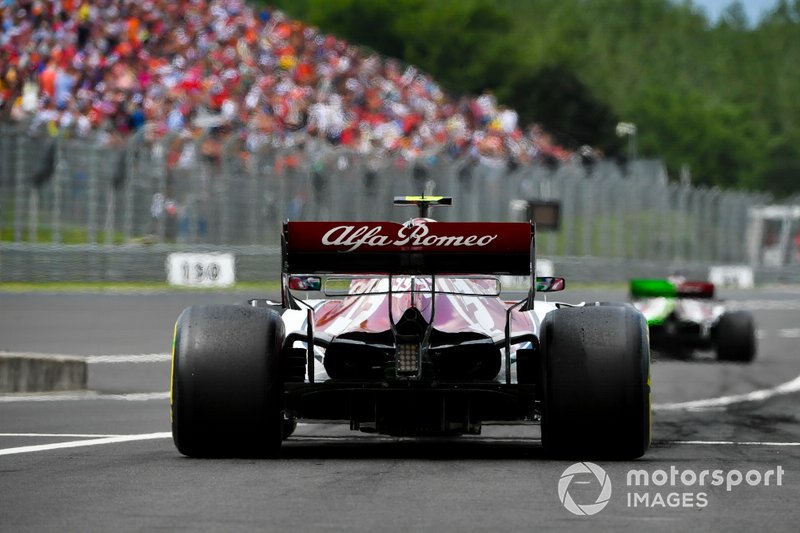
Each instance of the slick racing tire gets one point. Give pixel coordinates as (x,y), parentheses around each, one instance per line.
(595,377)
(735,337)
(226,389)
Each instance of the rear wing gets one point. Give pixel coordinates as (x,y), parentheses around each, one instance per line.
(655,288)
(506,248)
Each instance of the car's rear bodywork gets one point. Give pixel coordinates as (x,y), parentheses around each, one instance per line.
(419,341)
(401,329)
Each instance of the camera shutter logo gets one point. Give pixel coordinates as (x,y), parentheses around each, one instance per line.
(602,498)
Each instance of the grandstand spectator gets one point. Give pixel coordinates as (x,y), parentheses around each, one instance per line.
(184,66)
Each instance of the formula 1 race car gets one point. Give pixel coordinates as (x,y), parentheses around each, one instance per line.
(683,316)
(400,329)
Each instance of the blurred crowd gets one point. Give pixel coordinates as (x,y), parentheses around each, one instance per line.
(216,68)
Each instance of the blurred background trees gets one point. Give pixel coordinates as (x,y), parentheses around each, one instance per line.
(721,99)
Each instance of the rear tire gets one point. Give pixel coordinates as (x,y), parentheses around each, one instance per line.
(735,337)
(226,395)
(596,382)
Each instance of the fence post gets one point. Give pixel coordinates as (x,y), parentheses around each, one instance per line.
(252,205)
(607,212)
(711,224)
(157,209)
(128,188)
(723,227)
(58,175)
(679,231)
(5,173)
(111,209)
(619,213)
(33,210)
(19,193)
(588,198)
(225,189)
(91,195)
(639,202)
(668,232)
(663,222)
(745,202)
(110,219)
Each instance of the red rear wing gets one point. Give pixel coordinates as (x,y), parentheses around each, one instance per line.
(392,248)
(695,289)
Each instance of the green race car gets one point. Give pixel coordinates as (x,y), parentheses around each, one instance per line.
(684,316)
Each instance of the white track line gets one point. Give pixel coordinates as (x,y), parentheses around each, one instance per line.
(724,401)
(87,395)
(115,439)
(764,305)
(79,443)
(792,333)
(140,358)
(729,443)
(63,435)
(99,359)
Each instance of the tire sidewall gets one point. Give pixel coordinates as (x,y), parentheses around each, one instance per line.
(226,387)
(595,369)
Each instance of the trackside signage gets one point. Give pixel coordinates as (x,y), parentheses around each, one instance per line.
(201,269)
(359,237)
(585,489)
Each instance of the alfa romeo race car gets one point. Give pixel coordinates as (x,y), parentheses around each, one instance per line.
(683,316)
(400,329)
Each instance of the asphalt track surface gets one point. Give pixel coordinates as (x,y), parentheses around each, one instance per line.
(103,460)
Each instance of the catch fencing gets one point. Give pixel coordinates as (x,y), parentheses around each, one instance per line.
(153,192)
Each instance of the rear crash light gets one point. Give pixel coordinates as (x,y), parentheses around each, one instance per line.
(407,357)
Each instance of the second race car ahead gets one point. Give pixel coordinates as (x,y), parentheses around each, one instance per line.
(683,316)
